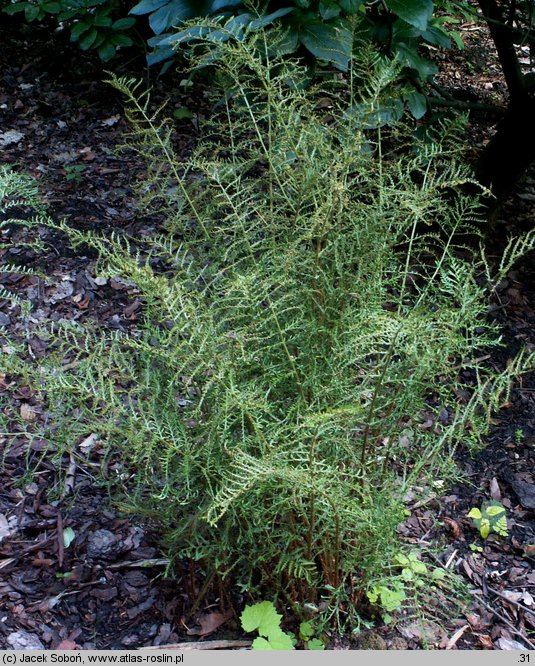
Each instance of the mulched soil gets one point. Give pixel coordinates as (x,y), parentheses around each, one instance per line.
(107,589)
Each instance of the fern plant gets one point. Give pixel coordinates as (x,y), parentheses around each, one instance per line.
(313,295)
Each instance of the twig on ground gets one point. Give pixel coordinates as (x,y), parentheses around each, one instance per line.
(505,621)
(511,601)
(453,640)
(201,645)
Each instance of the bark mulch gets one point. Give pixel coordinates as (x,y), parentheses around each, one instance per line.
(107,588)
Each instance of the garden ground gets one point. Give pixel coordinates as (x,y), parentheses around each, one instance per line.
(107,588)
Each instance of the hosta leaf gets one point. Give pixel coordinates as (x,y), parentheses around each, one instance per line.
(415,12)
(350,6)
(409,56)
(330,42)
(147,6)
(329,9)
(269,18)
(417,104)
(168,16)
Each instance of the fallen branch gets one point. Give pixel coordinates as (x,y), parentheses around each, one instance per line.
(201,645)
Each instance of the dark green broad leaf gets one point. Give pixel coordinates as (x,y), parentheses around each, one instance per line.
(263,21)
(79,29)
(124,23)
(332,42)
(148,6)
(408,56)
(102,20)
(51,7)
(17,7)
(387,112)
(160,55)
(437,35)
(350,6)
(176,38)
(102,37)
(416,103)
(218,5)
(88,39)
(408,34)
(415,12)
(185,8)
(69,14)
(106,51)
(121,39)
(168,16)
(284,42)
(329,9)
(31,12)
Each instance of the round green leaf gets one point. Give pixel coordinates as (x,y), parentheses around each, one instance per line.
(262,617)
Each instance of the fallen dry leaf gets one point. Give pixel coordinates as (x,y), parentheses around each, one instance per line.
(453,526)
(486,642)
(68,645)
(495,491)
(27,412)
(509,644)
(209,622)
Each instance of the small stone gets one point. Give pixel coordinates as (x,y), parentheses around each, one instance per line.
(371,640)
(22,640)
(101,543)
(4,319)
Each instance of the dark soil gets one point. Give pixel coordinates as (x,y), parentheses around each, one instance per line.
(107,589)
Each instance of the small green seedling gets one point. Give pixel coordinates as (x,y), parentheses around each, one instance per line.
(519,436)
(412,567)
(74,173)
(490,518)
(414,573)
(389,598)
(306,634)
(183,113)
(263,617)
